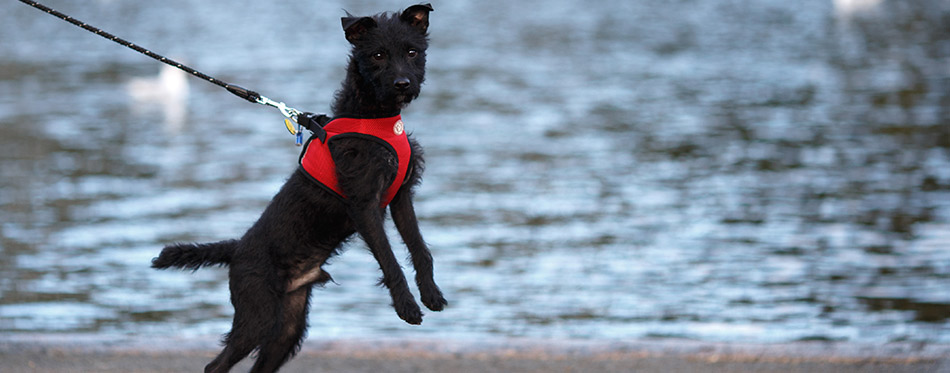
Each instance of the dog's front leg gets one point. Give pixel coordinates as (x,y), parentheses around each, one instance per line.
(361,172)
(404,216)
(369,224)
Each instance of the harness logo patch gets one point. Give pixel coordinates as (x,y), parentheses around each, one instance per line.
(398,127)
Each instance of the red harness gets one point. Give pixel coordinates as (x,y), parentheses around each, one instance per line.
(317,163)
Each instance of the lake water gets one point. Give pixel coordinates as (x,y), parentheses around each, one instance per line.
(754,171)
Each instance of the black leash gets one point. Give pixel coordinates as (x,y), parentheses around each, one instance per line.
(310,121)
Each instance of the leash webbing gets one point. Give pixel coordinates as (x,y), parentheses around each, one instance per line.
(239,91)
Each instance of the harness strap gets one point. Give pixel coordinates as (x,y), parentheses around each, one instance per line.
(317,162)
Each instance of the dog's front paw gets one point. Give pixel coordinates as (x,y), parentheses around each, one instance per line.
(409,312)
(433,299)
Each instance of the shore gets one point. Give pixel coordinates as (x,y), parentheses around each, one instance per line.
(67,353)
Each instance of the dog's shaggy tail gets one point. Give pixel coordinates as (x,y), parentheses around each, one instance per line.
(193,256)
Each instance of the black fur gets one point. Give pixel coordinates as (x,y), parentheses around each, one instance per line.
(274,266)
(194,256)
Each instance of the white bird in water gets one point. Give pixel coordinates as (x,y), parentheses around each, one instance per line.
(168,91)
(850,8)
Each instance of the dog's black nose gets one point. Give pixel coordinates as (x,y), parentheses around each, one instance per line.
(401,84)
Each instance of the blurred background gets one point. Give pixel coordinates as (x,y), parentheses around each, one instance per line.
(715,170)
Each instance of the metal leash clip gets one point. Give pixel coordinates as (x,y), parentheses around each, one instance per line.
(290,113)
(287,111)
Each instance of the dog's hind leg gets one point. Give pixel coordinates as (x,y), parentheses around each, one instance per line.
(313,276)
(234,351)
(292,326)
(256,296)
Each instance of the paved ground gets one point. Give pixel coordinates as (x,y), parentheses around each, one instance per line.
(91,354)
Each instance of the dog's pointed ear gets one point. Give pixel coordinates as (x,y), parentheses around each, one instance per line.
(356,27)
(417,16)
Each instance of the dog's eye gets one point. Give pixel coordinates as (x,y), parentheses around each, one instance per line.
(379,56)
(413,53)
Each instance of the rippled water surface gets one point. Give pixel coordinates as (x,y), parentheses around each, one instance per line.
(717,170)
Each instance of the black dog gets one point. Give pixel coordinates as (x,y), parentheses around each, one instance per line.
(274,266)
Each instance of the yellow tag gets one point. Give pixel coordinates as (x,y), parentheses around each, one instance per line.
(290,126)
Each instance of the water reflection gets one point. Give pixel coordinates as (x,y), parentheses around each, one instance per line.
(714,170)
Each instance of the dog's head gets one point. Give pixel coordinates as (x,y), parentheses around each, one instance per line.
(389,52)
